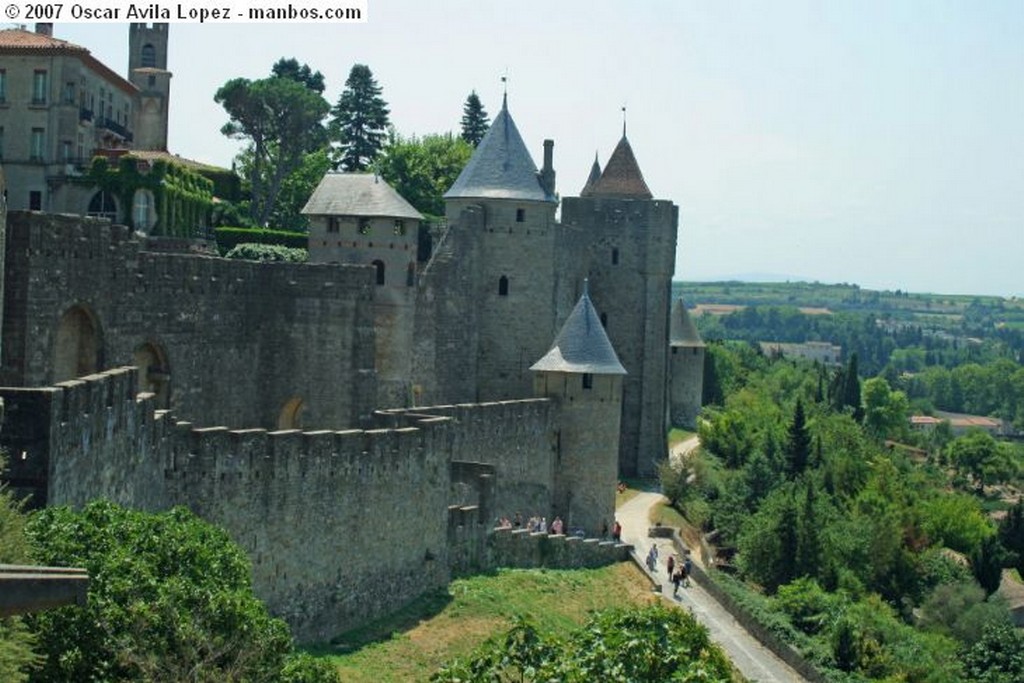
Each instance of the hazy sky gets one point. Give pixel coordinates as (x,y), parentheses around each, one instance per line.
(878,143)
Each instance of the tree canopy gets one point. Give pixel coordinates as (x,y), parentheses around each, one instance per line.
(301,73)
(170,599)
(359,121)
(423,169)
(474,120)
(281,118)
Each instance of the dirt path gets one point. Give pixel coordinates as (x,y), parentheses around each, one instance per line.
(755,662)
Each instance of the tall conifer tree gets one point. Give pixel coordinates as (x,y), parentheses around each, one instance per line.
(798,442)
(360,121)
(474,120)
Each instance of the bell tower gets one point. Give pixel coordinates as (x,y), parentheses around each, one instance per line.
(147,69)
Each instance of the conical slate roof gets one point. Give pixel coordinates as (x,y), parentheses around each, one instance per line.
(501,166)
(682,331)
(595,174)
(581,345)
(358,194)
(622,178)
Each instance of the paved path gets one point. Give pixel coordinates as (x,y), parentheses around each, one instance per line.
(755,662)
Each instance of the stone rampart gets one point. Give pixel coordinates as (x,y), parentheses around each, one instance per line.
(238,341)
(522,548)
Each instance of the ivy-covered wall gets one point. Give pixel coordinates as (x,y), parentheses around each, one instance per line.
(183,197)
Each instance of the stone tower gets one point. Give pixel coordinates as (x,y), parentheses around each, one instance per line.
(147,69)
(582,375)
(630,240)
(503,211)
(686,363)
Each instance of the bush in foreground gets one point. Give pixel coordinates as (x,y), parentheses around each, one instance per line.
(170,599)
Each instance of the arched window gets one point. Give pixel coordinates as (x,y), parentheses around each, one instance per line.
(77,348)
(103,205)
(290,416)
(503,286)
(379,265)
(154,375)
(148,56)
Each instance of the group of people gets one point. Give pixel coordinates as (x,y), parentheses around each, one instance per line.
(535,523)
(679,572)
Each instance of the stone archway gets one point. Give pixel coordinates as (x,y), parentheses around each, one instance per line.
(290,416)
(154,372)
(78,347)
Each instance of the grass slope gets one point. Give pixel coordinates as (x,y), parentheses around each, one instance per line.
(413,644)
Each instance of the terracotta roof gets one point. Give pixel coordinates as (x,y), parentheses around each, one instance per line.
(501,167)
(358,194)
(595,174)
(20,41)
(582,344)
(622,178)
(682,331)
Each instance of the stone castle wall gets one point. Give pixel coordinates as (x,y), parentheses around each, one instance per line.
(241,339)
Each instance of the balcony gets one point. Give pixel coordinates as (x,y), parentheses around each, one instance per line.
(114,127)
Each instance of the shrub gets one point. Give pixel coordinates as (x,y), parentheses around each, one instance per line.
(229,237)
(267,252)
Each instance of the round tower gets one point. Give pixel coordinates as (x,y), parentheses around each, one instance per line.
(686,368)
(583,377)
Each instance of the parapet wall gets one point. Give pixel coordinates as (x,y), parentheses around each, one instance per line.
(516,437)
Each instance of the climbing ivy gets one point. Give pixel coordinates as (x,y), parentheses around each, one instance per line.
(183,197)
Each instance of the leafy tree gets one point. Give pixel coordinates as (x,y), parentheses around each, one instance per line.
(997,658)
(296,189)
(474,120)
(170,599)
(17,657)
(301,73)
(885,410)
(809,607)
(987,461)
(1011,533)
(961,611)
(281,120)
(422,169)
(955,521)
(798,443)
(359,121)
(652,643)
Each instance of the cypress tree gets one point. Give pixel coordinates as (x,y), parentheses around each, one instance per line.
(474,120)
(360,121)
(851,389)
(798,442)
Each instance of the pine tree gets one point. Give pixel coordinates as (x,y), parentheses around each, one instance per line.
(360,121)
(474,120)
(851,389)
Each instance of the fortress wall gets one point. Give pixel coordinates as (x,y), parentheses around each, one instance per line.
(447,336)
(241,338)
(516,437)
(634,294)
(86,438)
(334,537)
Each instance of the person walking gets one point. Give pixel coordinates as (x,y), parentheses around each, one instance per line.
(677,578)
(687,570)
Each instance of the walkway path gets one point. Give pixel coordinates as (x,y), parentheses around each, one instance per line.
(755,662)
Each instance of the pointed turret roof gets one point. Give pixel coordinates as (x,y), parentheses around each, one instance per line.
(582,344)
(682,331)
(595,175)
(622,178)
(501,166)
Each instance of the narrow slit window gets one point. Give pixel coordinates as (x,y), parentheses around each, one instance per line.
(379,265)
(503,286)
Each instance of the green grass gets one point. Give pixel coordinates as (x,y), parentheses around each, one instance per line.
(411,645)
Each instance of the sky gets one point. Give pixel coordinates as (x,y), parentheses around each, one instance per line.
(876,142)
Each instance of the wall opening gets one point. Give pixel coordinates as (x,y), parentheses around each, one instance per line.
(77,348)
(502,286)
(291,414)
(379,265)
(520,215)
(103,205)
(410,275)
(615,257)
(154,372)
(588,380)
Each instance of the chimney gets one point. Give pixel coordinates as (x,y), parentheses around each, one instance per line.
(547,172)
(44,29)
